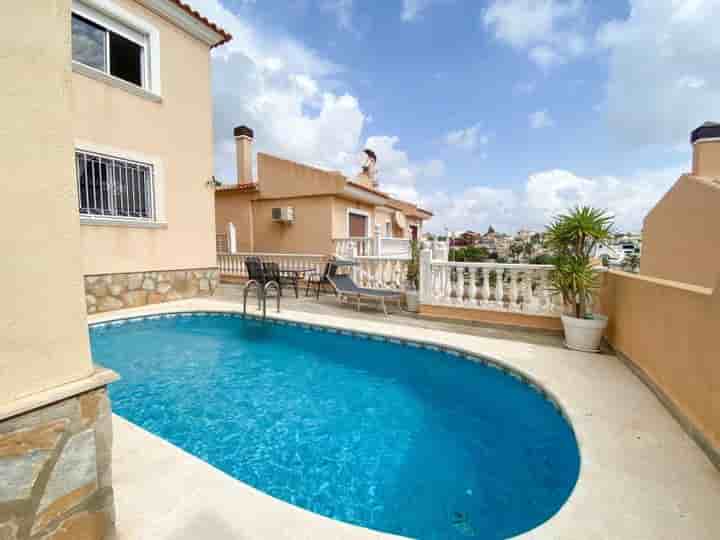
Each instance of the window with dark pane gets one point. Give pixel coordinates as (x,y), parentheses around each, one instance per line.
(125,59)
(89,42)
(109,186)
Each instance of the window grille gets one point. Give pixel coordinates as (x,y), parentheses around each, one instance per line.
(113,187)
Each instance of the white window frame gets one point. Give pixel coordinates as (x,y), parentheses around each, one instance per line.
(158,185)
(110,15)
(358,212)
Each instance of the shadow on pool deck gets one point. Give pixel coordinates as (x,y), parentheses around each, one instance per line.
(329,305)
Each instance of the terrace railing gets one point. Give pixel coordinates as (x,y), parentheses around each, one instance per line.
(372,247)
(380,272)
(510,288)
(234,265)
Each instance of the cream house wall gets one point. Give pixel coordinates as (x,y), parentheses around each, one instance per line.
(175,133)
(681,234)
(236,208)
(309,233)
(281,178)
(43,330)
(340,209)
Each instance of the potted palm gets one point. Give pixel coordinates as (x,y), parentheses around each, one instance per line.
(573,237)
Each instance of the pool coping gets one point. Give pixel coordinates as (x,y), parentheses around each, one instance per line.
(573,514)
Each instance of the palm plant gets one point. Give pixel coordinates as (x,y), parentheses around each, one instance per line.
(573,238)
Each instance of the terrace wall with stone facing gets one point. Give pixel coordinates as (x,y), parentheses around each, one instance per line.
(55,466)
(116,291)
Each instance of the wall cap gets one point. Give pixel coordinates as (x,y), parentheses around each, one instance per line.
(98,378)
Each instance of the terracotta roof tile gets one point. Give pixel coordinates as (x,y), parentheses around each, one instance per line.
(237,187)
(225,35)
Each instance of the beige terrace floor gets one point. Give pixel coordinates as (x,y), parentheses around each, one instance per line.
(641,475)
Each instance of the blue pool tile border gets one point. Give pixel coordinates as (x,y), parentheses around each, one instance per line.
(405,342)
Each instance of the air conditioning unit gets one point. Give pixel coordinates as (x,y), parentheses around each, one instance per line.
(284,214)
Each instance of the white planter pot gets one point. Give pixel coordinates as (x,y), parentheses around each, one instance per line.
(584,334)
(411,301)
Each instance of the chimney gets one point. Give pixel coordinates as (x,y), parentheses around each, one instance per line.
(706,150)
(369,170)
(243,150)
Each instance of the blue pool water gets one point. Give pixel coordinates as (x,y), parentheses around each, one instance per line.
(397,438)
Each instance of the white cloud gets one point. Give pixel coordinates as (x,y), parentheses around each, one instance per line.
(546,29)
(541,119)
(397,174)
(411,9)
(467,138)
(342,9)
(545,194)
(288,94)
(545,56)
(663,76)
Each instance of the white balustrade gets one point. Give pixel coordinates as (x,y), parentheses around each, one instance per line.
(521,288)
(398,248)
(380,272)
(234,265)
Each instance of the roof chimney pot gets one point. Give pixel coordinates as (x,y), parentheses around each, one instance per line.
(243,149)
(706,150)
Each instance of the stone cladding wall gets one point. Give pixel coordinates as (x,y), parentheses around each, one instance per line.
(109,292)
(55,471)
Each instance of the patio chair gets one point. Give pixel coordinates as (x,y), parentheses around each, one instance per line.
(345,287)
(272,272)
(318,280)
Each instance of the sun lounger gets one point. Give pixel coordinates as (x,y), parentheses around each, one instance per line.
(346,288)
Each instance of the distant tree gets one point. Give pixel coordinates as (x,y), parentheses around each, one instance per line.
(528,249)
(501,260)
(545,258)
(516,249)
(471,254)
(536,239)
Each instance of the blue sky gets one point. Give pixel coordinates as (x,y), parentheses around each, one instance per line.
(493,111)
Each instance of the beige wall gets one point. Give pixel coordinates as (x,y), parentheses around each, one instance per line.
(340,209)
(283,178)
(681,235)
(43,331)
(310,233)
(178,132)
(236,208)
(706,158)
(669,331)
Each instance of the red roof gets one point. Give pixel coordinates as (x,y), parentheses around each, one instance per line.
(238,187)
(225,35)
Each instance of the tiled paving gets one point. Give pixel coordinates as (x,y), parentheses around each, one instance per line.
(329,305)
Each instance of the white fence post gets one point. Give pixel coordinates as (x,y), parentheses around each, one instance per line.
(377,242)
(231,239)
(426,276)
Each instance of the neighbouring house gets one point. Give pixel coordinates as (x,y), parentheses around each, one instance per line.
(108,149)
(295,208)
(143,143)
(681,235)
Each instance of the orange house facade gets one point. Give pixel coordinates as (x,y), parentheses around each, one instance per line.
(295,208)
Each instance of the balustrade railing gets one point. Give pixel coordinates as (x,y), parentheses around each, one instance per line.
(234,265)
(372,247)
(519,288)
(380,272)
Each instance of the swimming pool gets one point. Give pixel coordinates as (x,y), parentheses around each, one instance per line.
(392,436)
